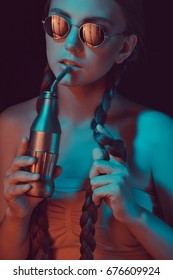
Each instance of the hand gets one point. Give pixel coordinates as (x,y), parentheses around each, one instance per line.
(110,181)
(15,184)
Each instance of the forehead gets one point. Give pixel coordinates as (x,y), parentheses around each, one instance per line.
(80,9)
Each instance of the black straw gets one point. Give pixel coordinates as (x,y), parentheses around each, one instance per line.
(59,78)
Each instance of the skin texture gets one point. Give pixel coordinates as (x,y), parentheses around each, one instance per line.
(148,136)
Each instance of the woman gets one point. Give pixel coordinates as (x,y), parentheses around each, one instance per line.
(132,194)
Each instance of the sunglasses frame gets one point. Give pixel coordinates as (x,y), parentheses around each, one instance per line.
(70,25)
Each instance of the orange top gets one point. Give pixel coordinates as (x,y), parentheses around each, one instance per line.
(114,240)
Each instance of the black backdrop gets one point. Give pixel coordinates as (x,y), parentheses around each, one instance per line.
(22,56)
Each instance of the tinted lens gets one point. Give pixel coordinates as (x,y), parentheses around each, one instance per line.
(92,34)
(56,27)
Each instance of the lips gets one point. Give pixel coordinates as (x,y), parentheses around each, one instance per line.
(70,62)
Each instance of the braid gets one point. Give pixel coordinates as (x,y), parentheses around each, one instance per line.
(89,209)
(87,221)
(39,238)
(109,145)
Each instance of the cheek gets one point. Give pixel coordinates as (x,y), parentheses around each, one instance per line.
(50,51)
(101,61)
(54,53)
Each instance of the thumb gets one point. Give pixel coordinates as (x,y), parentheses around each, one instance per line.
(22,149)
(98,153)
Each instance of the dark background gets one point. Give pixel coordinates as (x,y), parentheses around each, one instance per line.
(22,56)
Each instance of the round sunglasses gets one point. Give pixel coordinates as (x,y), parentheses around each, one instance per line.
(89,33)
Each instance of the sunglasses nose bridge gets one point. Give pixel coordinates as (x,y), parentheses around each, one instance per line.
(73,40)
(75,25)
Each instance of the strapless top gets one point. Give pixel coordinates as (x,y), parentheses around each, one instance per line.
(113,239)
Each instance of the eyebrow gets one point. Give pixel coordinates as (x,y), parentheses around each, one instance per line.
(93,19)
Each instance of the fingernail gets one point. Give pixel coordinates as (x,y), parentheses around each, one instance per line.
(24,139)
(27,186)
(99,127)
(32,159)
(35,175)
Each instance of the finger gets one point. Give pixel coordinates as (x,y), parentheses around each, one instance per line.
(57,172)
(118,160)
(98,153)
(117,177)
(11,192)
(21,176)
(101,129)
(102,180)
(19,162)
(100,193)
(101,167)
(23,147)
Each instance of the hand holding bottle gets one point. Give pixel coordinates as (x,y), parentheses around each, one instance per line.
(34,167)
(16,183)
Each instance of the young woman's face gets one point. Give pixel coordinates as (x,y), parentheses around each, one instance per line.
(92,63)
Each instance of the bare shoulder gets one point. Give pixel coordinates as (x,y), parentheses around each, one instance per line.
(156,125)
(15,123)
(148,123)
(154,135)
(148,133)
(25,109)
(16,119)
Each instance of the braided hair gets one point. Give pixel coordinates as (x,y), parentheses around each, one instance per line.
(89,209)
(39,236)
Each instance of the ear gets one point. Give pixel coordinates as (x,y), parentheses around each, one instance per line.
(126,49)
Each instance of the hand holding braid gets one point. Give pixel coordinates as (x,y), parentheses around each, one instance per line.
(113,186)
(108,146)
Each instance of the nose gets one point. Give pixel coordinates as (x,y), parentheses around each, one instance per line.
(73,43)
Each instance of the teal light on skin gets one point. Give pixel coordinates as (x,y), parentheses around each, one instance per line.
(134,197)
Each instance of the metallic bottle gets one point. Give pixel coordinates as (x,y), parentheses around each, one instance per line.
(44,141)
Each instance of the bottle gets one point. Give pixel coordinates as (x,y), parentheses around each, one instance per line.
(44,141)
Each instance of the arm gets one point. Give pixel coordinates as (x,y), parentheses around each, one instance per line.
(154,234)
(15,207)
(14,239)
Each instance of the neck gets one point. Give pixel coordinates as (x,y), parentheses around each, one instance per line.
(78,103)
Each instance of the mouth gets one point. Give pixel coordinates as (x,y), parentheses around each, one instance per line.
(70,62)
